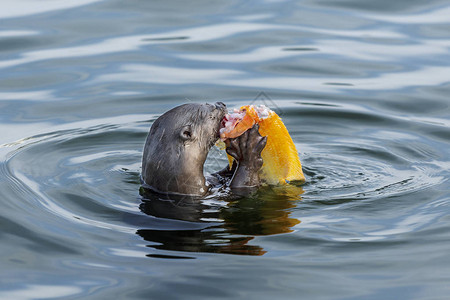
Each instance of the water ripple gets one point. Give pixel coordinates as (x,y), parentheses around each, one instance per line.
(342,168)
(22,8)
(197,34)
(362,87)
(430,16)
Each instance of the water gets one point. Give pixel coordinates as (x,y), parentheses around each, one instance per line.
(363,88)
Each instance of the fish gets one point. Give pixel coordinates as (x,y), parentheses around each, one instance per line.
(281,162)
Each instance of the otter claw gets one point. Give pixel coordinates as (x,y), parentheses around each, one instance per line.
(233,148)
(261,144)
(246,150)
(255,128)
(247,147)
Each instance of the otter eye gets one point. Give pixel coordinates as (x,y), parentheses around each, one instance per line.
(186,133)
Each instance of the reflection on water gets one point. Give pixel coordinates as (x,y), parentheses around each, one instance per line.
(234,222)
(362,87)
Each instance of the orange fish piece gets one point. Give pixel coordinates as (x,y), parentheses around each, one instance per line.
(281,161)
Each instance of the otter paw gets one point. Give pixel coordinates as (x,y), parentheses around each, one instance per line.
(247,148)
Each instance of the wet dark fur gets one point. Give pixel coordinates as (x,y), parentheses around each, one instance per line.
(177,146)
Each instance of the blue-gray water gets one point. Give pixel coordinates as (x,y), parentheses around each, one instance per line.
(363,87)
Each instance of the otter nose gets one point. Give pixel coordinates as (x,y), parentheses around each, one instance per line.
(220,105)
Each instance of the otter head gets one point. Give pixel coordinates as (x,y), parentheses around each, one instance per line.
(177,146)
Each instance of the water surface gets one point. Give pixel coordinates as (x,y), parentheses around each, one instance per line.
(362,87)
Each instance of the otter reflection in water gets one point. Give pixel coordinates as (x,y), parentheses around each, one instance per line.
(224,226)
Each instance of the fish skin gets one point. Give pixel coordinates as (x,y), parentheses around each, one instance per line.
(281,160)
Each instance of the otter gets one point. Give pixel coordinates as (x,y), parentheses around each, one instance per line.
(177,146)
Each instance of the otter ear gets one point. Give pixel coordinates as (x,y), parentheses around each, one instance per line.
(186,133)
